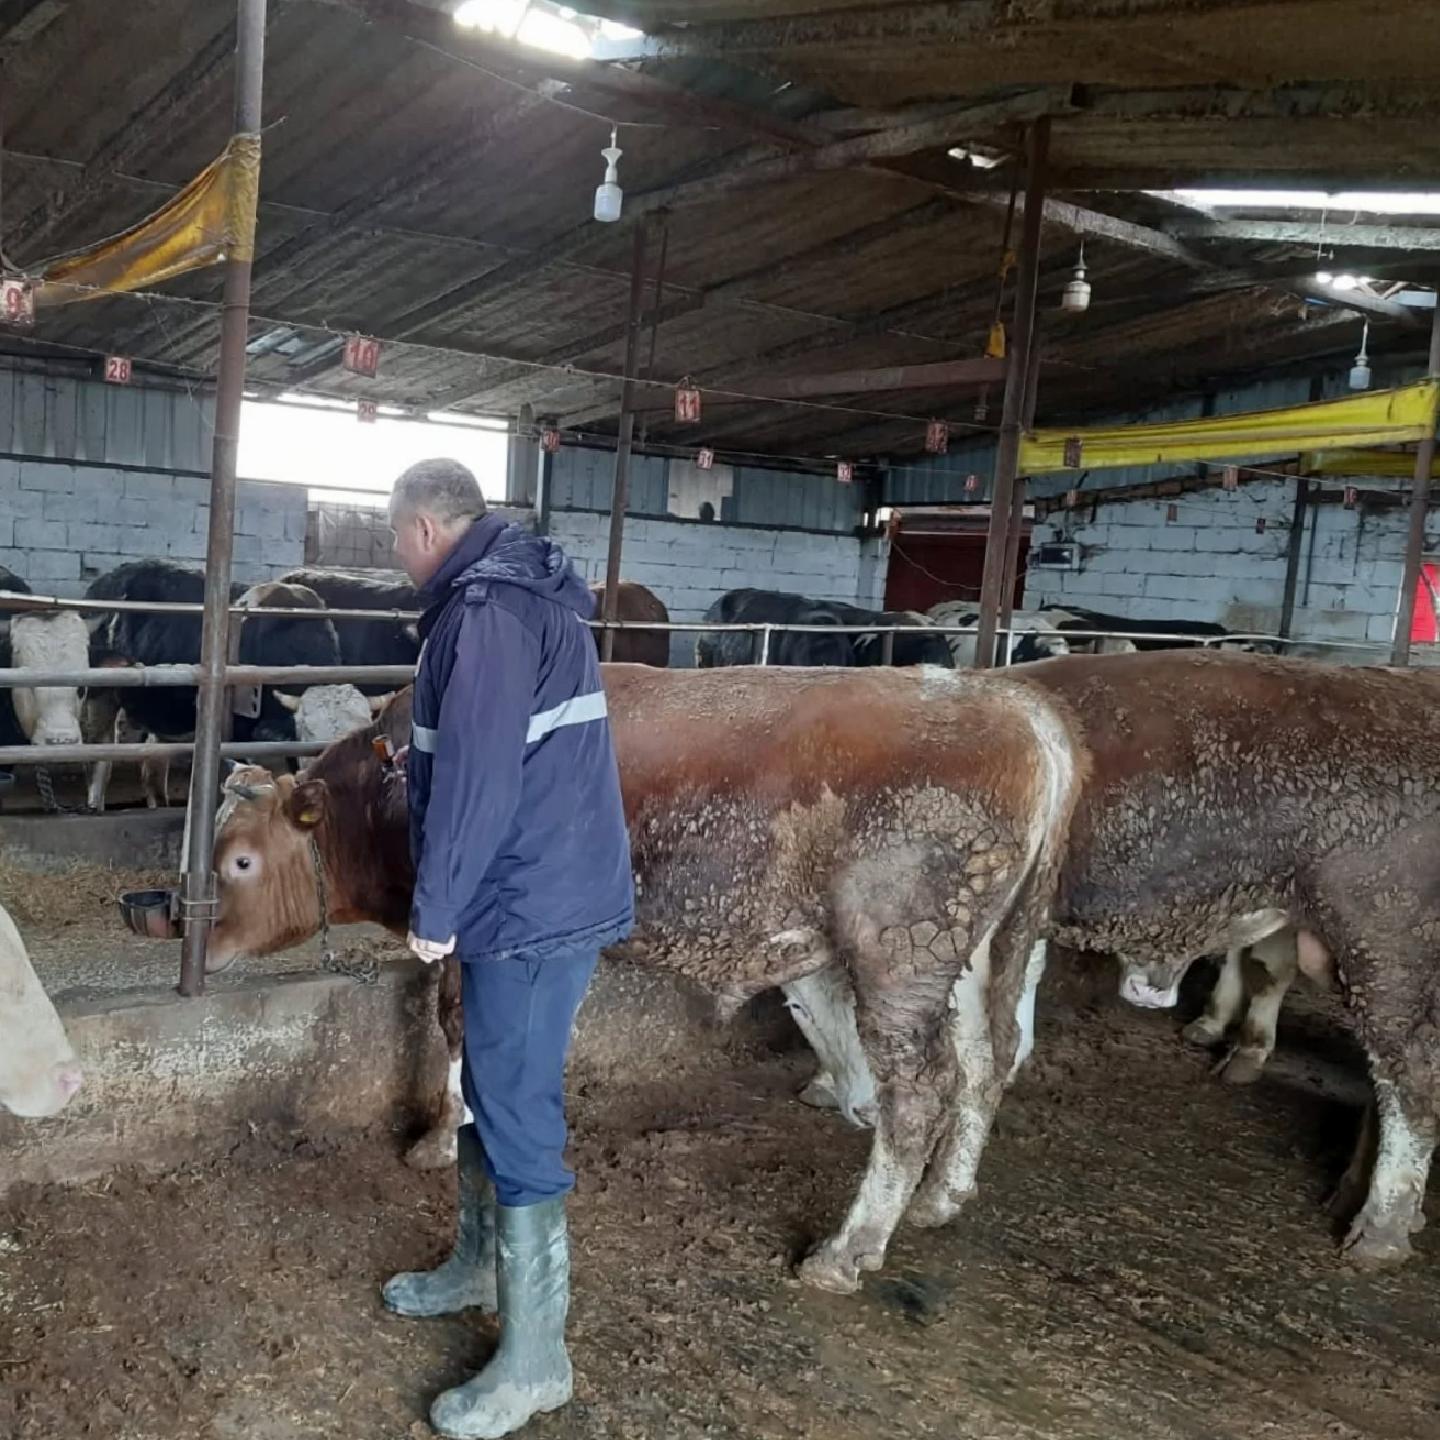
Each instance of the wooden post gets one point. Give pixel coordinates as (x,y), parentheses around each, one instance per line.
(199,881)
(620,490)
(1419,507)
(1007,451)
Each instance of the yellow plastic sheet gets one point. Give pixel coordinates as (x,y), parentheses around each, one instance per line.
(1380,417)
(212,218)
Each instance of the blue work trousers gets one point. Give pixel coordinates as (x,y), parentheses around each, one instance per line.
(519,1015)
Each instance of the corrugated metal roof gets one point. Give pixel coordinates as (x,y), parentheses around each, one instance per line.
(406,194)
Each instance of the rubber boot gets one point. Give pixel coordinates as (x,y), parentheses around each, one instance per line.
(467,1278)
(529,1373)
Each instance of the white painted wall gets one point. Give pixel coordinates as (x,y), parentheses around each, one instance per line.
(691,564)
(1211,564)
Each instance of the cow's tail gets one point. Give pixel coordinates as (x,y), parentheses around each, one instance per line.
(1018,950)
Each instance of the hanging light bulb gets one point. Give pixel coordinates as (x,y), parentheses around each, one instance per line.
(608,194)
(1360,371)
(1075,298)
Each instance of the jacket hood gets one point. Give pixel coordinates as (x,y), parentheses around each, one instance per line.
(493,549)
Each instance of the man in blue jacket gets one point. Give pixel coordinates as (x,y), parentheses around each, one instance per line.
(522,866)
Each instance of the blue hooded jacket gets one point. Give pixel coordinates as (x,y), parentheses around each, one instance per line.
(517,827)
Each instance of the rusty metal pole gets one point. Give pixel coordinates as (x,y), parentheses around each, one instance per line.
(198,890)
(1017,507)
(1007,452)
(1419,507)
(620,490)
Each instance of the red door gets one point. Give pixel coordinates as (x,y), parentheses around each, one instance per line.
(1423,628)
(931,566)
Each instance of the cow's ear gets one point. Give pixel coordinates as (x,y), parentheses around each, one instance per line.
(305,805)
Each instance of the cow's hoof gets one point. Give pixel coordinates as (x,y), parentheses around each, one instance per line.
(862,1117)
(827,1271)
(1244,1067)
(1203,1033)
(1376,1247)
(820,1094)
(931,1210)
(436,1151)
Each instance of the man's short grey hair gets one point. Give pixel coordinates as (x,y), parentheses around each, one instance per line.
(442,488)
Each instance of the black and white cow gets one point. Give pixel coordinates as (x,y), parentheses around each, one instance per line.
(367,642)
(1030,637)
(774,607)
(139,638)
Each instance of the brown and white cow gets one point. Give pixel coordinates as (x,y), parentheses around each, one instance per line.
(906,827)
(1224,797)
(39,1074)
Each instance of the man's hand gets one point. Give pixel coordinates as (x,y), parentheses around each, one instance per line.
(430,950)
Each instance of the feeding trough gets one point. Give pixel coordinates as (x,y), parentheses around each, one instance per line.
(154,914)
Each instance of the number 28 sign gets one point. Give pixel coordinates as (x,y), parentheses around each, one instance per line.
(119,369)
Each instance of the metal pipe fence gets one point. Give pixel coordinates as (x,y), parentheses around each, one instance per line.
(301,676)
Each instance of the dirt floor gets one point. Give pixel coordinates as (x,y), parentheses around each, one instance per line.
(1147,1258)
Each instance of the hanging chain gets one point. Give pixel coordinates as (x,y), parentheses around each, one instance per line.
(362,969)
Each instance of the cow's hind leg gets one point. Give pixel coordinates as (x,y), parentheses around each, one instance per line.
(1271,968)
(823,1005)
(1223,1007)
(984,1075)
(906,1034)
(1380,1233)
(439,1146)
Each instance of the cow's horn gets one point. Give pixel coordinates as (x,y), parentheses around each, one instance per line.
(290,702)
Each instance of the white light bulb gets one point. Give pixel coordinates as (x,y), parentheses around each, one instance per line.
(609,197)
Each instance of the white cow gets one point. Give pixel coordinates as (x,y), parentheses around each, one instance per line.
(326,712)
(39,1074)
(49,715)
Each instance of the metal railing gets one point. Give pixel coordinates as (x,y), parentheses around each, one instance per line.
(301,676)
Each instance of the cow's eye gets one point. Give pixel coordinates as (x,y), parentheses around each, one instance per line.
(242,862)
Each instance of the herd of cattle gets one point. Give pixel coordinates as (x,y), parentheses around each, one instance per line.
(896,852)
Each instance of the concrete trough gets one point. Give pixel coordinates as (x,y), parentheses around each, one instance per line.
(170,1080)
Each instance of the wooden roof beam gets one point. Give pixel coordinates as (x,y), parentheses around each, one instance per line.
(1308,232)
(935,22)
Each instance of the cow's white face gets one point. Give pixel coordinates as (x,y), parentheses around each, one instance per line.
(50,715)
(326,712)
(38,1071)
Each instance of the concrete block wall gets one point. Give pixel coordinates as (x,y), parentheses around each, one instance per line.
(1211,563)
(63,524)
(691,564)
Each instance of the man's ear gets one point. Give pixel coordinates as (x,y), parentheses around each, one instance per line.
(305,805)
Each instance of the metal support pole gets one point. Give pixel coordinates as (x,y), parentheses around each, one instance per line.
(1007,452)
(199,888)
(620,490)
(1017,508)
(1292,555)
(887,648)
(1419,507)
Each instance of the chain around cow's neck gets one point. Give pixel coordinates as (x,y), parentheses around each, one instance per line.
(323,897)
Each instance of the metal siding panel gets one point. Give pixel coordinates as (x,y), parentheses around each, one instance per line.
(65,423)
(188,436)
(157,411)
(123,428)
(32,419)
(93,419)
(7,410)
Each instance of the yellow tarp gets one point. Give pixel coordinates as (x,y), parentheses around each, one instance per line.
(1383,464)
(1381,417)
(211,218)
